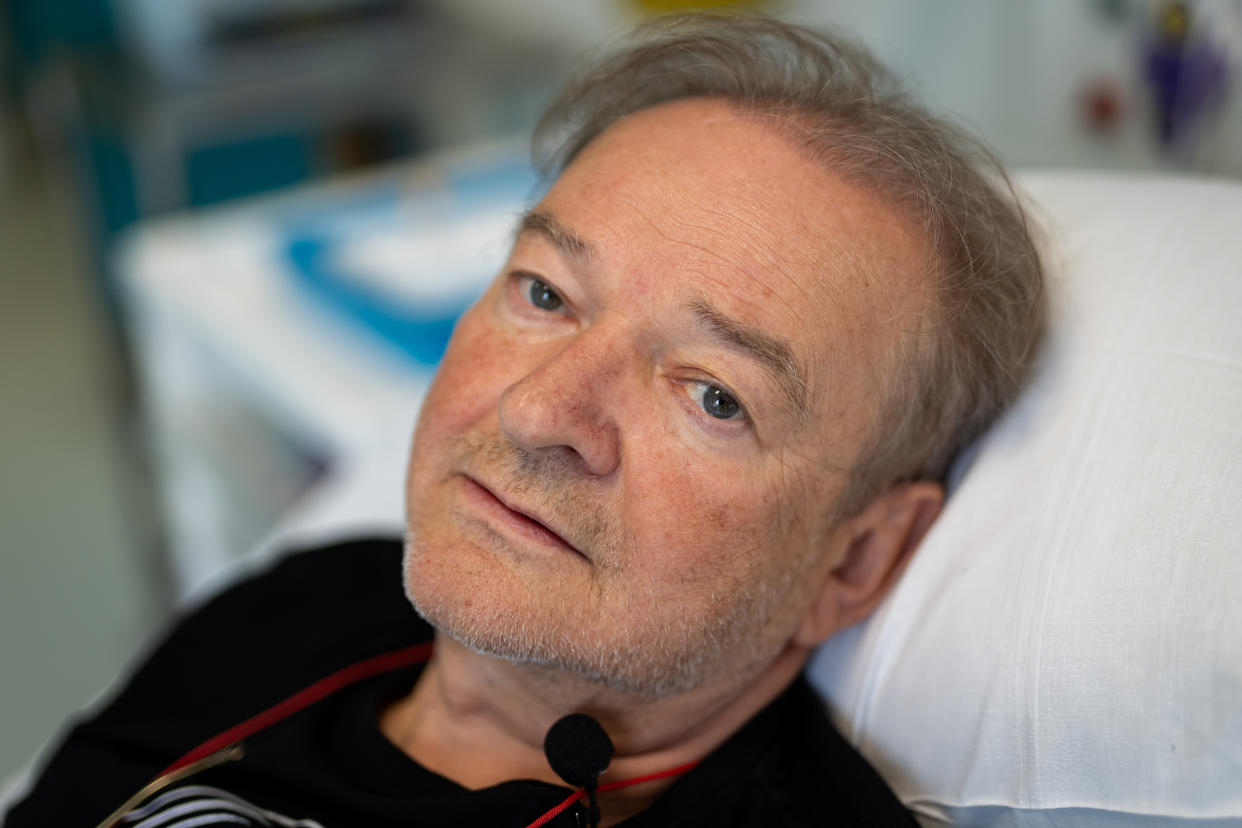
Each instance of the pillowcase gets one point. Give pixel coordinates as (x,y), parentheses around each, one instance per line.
(1065,648)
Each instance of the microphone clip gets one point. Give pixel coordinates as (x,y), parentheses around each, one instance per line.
(579,750)
(588,814)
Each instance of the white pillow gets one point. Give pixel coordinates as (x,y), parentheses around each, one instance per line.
(1066,646)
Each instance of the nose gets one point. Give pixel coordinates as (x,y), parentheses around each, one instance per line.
(563,404)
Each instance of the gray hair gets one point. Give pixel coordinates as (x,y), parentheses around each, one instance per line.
(972,351)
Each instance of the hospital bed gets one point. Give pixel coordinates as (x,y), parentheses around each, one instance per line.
(1066,647)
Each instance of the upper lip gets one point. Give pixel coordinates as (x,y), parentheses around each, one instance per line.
(532,514)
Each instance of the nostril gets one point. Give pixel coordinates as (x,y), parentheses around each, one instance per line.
(560,420)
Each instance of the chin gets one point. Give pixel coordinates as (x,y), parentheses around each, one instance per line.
(636,653)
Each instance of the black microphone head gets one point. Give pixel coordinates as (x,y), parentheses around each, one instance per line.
(578,750)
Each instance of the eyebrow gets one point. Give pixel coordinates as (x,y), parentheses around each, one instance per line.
(773,353)
(562,238)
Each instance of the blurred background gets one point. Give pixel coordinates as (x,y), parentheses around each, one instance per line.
(234,235)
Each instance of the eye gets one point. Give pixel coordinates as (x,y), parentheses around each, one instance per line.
(541,294)
(716,401)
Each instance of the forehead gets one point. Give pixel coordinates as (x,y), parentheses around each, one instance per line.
(691,198)
(732,198)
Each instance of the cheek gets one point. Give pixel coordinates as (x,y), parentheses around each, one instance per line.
(697,522)
(463,396)
(470,378)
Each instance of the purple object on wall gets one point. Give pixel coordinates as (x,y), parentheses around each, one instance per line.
(1187,73)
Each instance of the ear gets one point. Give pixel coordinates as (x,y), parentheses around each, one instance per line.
(867,554)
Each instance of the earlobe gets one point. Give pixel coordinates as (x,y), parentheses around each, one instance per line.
(869,552)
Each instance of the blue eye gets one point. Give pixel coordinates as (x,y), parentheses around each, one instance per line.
(542,296)
(716,401)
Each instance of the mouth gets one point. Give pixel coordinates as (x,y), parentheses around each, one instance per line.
(515,518)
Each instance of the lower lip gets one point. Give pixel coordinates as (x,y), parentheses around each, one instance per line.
(518,522)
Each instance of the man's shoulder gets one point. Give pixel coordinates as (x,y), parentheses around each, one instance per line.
(310,613)
(817,777)
(788,766)
(312,610)
(308,582)
(318,573)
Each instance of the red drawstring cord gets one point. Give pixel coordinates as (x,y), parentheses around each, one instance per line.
(611,786)
(326,686)
(547,817)
(634,780)
(356,672)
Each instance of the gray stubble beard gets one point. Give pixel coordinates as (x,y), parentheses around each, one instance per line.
(644,658)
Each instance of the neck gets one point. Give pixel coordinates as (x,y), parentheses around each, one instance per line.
(481,721)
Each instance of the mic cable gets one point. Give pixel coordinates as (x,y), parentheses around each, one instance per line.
(579,750)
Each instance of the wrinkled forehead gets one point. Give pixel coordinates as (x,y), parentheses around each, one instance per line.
(696,165)
(690,195)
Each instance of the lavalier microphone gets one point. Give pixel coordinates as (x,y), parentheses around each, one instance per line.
(579,750)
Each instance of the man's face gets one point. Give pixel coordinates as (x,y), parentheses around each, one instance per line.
(627,464)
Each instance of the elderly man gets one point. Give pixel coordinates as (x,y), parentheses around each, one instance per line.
(695,427)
